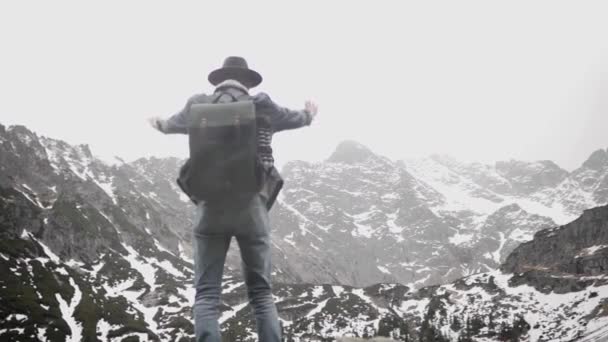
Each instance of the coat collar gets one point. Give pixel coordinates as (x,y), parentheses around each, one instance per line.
(231,84)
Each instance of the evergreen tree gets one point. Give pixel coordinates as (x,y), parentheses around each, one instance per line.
(456,325)
(476,324)
(491,325)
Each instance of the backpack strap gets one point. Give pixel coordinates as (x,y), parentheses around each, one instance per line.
(222,93)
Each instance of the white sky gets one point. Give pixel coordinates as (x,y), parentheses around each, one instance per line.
(479,80)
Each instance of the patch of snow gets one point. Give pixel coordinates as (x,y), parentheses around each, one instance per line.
(413,307)
(117,290)
(17,317)
(390,196)
(392,226)
(458,192)
(146,270)
(520,235)
(318,308)
(233,286)
(458,238)
(187,293)
(97,267)
(315,207)
(183,197)
(496,254)
(182,254)
(383,269)
(226,315)
(362,230)
(62,271)
(317,291)
(67,313)
(159,246)
(361,294)
(140,337)
(108,187)
(288,239)
(41,333)
(408,264)
(33,200)
(168,266)
(590,250)
(424,269)
(422,281)
(298,214)
(109,160)
(52,256)
(148,312)
(103,328)
(557,212)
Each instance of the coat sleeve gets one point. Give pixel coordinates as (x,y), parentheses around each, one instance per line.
(180,121)
(282,118)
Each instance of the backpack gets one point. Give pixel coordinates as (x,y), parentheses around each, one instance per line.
(223,162)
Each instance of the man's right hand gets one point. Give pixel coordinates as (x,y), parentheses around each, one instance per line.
(312,108)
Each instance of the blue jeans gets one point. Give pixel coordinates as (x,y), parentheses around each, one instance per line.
(246,220)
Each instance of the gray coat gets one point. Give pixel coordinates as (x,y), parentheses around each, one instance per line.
(281,118)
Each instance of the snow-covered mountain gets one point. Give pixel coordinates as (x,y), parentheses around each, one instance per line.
(425,221)
(100,250)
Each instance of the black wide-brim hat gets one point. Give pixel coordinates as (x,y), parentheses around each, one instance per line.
(235,68)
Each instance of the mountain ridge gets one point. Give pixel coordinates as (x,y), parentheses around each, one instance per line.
(84,240)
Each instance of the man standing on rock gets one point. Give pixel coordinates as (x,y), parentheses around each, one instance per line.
(244,216)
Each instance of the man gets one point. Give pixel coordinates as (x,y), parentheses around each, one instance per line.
(245,218)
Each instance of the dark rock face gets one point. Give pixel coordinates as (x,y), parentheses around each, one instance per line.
(551,281)
(18,213)
(576,248)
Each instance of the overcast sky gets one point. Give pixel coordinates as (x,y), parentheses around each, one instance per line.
(479,80)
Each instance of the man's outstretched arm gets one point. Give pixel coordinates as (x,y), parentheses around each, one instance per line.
(177,123)
(283,118)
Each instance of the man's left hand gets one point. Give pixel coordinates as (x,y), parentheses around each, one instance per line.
(156,123)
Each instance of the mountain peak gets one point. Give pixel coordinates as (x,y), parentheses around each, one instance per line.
(350,152)
(85,149)
(444,159)
(19,128)
(22,133)
(598,160)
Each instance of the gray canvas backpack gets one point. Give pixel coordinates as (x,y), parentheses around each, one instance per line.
(223,162)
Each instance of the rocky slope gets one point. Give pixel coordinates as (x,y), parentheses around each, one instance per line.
(93,249)
(141,294)
(417,222)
